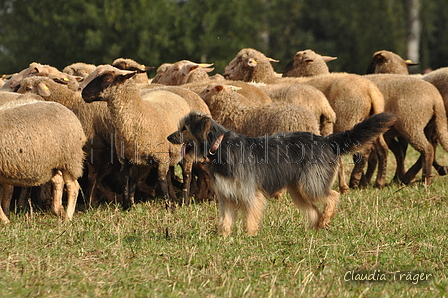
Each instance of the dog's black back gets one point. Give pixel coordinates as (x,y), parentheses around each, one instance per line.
(272,163)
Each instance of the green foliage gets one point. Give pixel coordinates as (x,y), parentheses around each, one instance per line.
(157,31)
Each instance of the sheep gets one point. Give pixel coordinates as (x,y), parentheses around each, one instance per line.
(40,142)
(255,121)
(305,96)
(97,125)
(185,71)
(351,104)
(415,103)
(196,104)
(79,69)
(194,77)
(160,72)
(307,63)
(32,69)
(128,64)
(142,125)
(388,62)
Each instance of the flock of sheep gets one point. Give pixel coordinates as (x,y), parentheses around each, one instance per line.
(106,126)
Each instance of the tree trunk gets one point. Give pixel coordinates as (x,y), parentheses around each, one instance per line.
(414,31)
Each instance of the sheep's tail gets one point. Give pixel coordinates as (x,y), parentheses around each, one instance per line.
(361,134)
(441,122)
(377,100)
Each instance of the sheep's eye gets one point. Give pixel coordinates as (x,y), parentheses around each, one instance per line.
(28,88)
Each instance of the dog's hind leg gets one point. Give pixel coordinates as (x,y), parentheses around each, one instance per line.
(253,211)
(329,209)
(308,209)
(228,213)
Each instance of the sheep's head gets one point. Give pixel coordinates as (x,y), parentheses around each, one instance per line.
(242,65)
(388,62)
(249,65)
(95,88)
(307,63)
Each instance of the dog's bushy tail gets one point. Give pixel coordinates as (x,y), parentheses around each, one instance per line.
(361,134)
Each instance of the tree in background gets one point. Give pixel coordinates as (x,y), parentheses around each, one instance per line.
(157,31)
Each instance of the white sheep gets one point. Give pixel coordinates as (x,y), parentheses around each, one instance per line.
(40,142)
(142,125)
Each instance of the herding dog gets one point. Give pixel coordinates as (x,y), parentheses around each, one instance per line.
(245,171)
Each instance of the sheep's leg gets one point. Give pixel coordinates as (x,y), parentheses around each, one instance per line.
(92,179)
(371,165)
(357,177)
(204,184)
(343,187)
(382,151)
(399,151)
(5,202)
(427,153)
(128,201)
(187,166)
(57,182)
(162,172)
(24,195)
(72,186)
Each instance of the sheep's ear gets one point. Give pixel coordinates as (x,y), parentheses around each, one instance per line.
(63,81)
(189,68)
(218,88)
(252,62)
(125,76)
(410,63)
(329,58)
(288,68)
(272,60)
(43,90)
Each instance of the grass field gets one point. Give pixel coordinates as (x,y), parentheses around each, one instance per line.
(395,237)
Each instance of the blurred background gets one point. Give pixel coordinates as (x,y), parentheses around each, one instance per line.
(153,32)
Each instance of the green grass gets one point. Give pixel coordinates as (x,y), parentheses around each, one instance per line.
(148,252)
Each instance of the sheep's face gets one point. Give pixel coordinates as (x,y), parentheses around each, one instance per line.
(243,63)
(96,89)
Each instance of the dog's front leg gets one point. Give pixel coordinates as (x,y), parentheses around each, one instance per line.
(228,213)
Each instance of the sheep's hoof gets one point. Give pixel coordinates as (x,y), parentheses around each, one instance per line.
(442,171)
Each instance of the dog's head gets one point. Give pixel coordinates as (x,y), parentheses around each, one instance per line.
(199,133)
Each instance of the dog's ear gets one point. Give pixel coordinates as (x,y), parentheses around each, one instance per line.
(206,123)
(200,125)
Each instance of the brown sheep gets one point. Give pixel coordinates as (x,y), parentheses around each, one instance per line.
(417,105)
(142,125)
(351,105)
(128,64)
(79,69)
(256,121)
(388,62)
(40,142)
(95,119)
